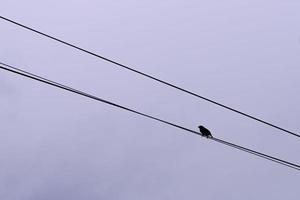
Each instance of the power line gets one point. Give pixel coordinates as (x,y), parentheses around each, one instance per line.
(262,155)
(152,77)
(70,89)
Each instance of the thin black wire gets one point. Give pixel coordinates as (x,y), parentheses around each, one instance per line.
(67,88)
(262,155)
(152,77)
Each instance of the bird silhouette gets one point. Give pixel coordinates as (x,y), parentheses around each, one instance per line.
(205,132)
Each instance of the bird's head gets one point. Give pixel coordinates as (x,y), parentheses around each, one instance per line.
(200,127)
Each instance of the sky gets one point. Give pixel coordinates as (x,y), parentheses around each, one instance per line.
(58,145)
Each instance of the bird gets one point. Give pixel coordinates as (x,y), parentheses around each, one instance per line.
(205,132)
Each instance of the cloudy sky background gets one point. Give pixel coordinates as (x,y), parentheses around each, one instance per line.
(58,145)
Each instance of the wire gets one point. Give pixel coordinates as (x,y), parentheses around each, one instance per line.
(153,78)
(271,158)
(70,89)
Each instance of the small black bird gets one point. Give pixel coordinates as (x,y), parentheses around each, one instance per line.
(205,132)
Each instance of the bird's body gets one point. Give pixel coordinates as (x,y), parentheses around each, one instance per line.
(205,132)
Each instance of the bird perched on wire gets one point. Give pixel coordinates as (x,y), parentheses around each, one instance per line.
(205,132)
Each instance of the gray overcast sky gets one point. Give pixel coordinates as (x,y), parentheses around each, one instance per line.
(57,145)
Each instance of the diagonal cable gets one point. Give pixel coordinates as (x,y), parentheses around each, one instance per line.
(153,78)
(67,88)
